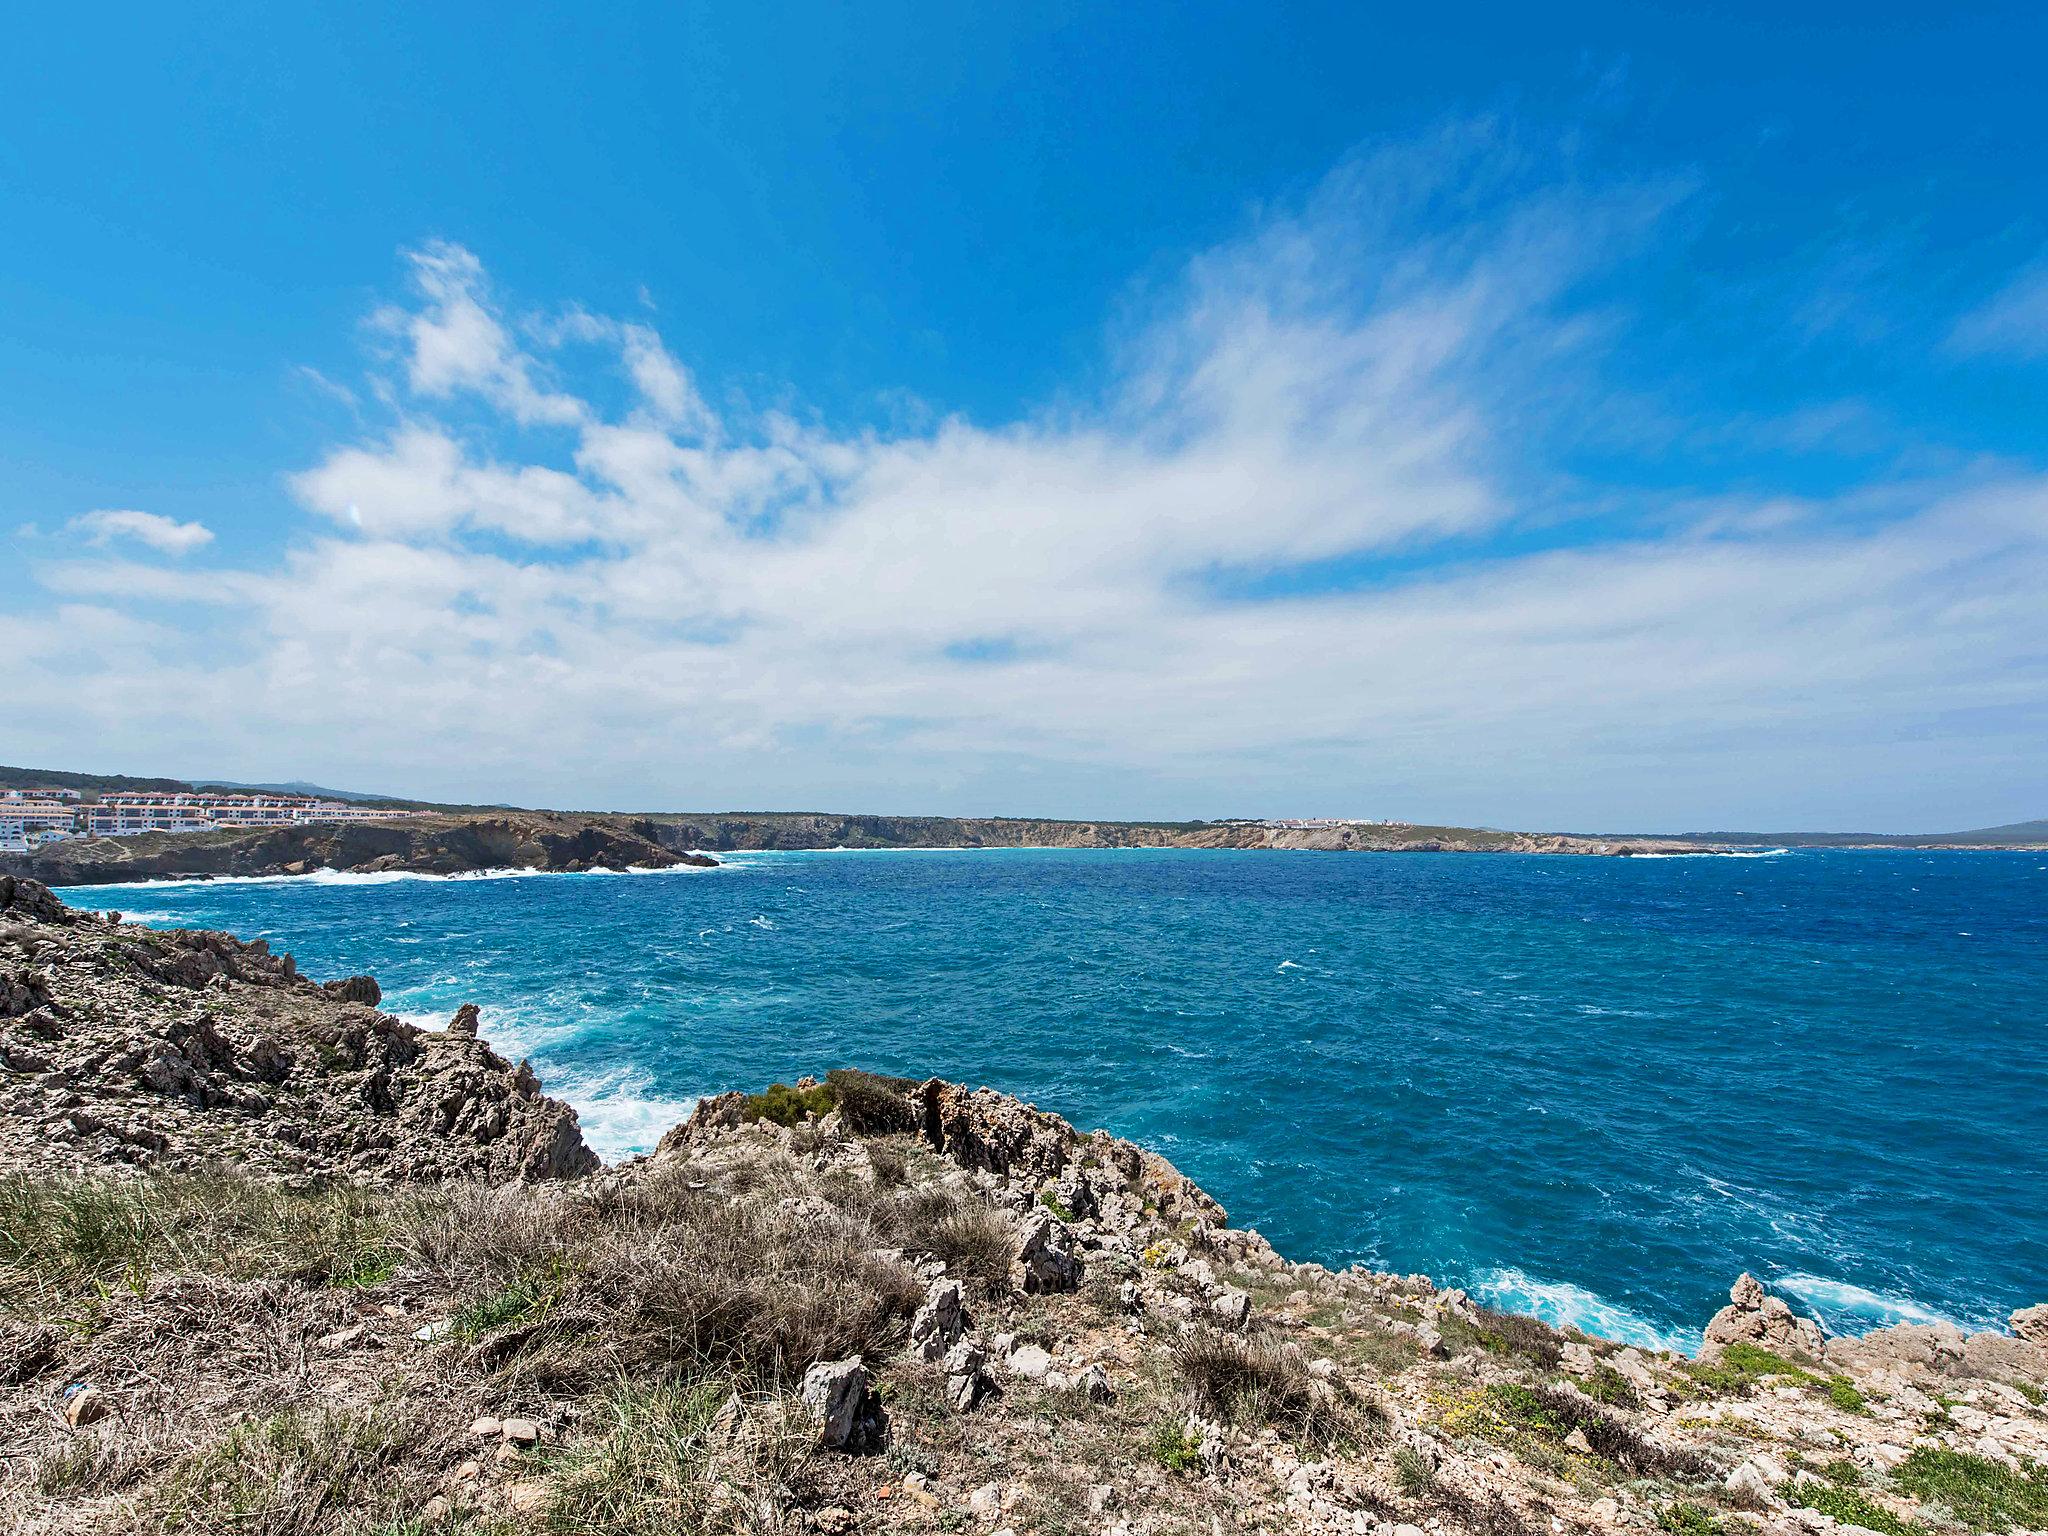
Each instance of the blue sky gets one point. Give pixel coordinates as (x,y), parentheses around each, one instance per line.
(1612,416)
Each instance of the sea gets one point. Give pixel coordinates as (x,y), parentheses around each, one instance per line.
(1593,1089)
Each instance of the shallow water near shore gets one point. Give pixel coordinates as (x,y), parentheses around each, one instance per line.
(1590,1088)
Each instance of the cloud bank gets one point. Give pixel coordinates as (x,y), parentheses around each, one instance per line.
(1320,544)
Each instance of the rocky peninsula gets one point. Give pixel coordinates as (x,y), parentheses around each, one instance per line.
(460,842)
(274,1261)
(431,845)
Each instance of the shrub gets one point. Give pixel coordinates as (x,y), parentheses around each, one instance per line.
(891,1165)
(1554,1412)
(1607,1385)
(1981,1493)
(1504,1333)
(736,1286)
(874,1105)
(1174,1445)
(1688,1519)
(789,1106)
(1250,1381)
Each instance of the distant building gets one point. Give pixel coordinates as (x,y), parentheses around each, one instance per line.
(127,812)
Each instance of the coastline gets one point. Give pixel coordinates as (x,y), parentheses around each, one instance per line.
(981,1267)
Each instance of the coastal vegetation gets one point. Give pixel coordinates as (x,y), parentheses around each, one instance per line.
(272,1262)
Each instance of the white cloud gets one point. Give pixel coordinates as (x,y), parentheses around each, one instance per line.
(2013,322)
(158,532)
(1260,573)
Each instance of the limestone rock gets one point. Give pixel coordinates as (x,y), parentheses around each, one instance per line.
(846,1407)
(1752,1316)
(1045,1260)
(940,1321)
(2031,1323)
(1232,1307)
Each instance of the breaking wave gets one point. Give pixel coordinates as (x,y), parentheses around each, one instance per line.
(1564,1305)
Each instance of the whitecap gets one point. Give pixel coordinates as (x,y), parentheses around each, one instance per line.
(1564,1305)
(619,1112)
(1847,1308)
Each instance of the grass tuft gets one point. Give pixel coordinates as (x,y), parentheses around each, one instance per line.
(1251,1381)
(1979,1492)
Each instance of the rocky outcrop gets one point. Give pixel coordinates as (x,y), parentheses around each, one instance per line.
(1753,1316)
(187,1050)
(2031,1323)
(434,845)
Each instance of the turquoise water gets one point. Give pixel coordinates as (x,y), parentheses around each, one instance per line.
(1592,1088)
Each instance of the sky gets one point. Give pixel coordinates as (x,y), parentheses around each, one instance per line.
(1584,417)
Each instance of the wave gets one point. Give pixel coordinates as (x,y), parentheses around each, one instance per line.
(1846,1308)
(374,877)
(1564,1305)
(619,1111)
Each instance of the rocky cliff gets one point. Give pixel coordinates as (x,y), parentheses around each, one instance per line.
(181,1051)
(273,1262)
(435,845)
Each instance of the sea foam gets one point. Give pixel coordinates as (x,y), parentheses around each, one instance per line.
(1564,1305)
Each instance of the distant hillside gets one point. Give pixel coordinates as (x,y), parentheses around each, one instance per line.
(51,778)
(299,787)
(2017,833)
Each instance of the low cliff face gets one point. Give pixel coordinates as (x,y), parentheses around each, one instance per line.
(804,831)
(271,1261)
(435,845)
(176,1051)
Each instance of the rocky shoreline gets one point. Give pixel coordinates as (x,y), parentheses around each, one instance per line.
(429,845)
(467,843)
(275,1261)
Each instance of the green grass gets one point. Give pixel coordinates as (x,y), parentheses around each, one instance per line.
(2030,1392)
(292,1472)
(1843,1394)
(78,1237)
(1981,1493)
(1688,1519)
(666,1458)
(529,1298)
(1742,1366)
(1412,1474)
(1853,1508)
(1173,1445)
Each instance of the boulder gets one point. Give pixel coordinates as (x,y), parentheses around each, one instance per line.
(1233,1308)
(2031,1323)
(1753,1316)
(1045,1260)
(845,1406)
(940,1321)
(355,989)
(967,1377)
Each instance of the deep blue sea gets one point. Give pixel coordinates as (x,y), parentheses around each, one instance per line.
(1591,1088)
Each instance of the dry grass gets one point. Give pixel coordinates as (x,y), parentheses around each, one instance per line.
(977,1244)
(692,1456)
(63,1238)
(1255,1381)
